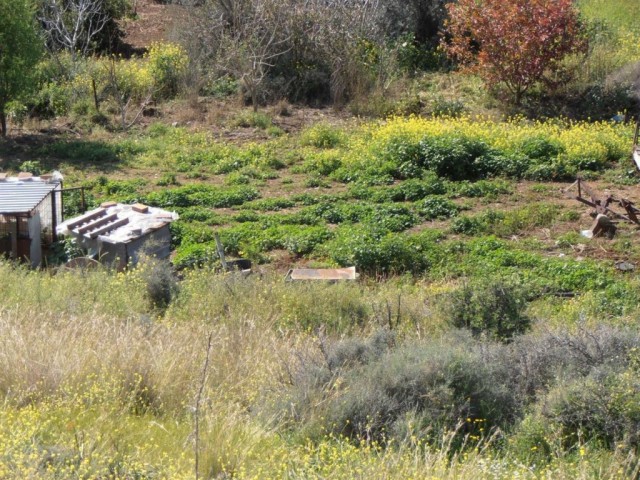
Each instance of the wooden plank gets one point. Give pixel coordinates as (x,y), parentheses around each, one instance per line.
(220,249)
(322,273)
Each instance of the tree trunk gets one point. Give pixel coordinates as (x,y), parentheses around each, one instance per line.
(3,122)
(95,95)
(518,98)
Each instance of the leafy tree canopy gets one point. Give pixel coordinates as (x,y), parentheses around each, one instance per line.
(20,50)
(516,43)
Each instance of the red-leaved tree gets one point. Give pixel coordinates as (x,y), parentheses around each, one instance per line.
(513,42)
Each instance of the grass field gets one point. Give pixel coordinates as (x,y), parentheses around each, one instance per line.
(485,338)
(619,13)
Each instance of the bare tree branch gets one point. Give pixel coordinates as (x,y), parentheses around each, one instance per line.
(73,25)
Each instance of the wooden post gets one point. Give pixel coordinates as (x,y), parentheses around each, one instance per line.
(220,251)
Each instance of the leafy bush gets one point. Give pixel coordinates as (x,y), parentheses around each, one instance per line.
(31,166)
(508,223)
(162,285)
(315,181)
(452,157)
(324,163)
(193,232)
(118,188)
(302,241)
(443,107)
(200,214)
(84,151)
(467,149)
(598,408)
(383,217)
(248,119)
(469,225)
(167,63)
(222,87)
(322,135)
(168,179)
(375,251)
(195,255)
(540,147)
(437,207)
(416,189)
(490,308)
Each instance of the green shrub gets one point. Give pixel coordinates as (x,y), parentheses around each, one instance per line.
(469,225)
(447,108)
(374,251)
(72,203)
(161,284)
(200,214)
(83,151)
(315,181)
(168,179)
(417,189)
(508,223)
(32,166)
(237,178)
(167,63)
(452,157)
(386,217)
(158,130)
(436,207)
(244,217)
(194,232)
(322,135)
(540,148)
(248,119)
(121,189)
(302,241)
(222,87)
(490,308)
(195,255)
(393,218)
(556,170)
(324,164)
(602,408)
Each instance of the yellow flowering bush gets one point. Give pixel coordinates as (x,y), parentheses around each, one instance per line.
(167,64)
(554,149)
(629,45)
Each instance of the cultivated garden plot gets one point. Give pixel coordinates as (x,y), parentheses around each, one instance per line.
(484,335)
(448,158)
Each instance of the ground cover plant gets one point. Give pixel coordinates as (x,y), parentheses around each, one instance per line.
(485,334)
(484,338)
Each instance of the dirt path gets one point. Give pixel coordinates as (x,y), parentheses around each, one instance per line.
(153,22)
